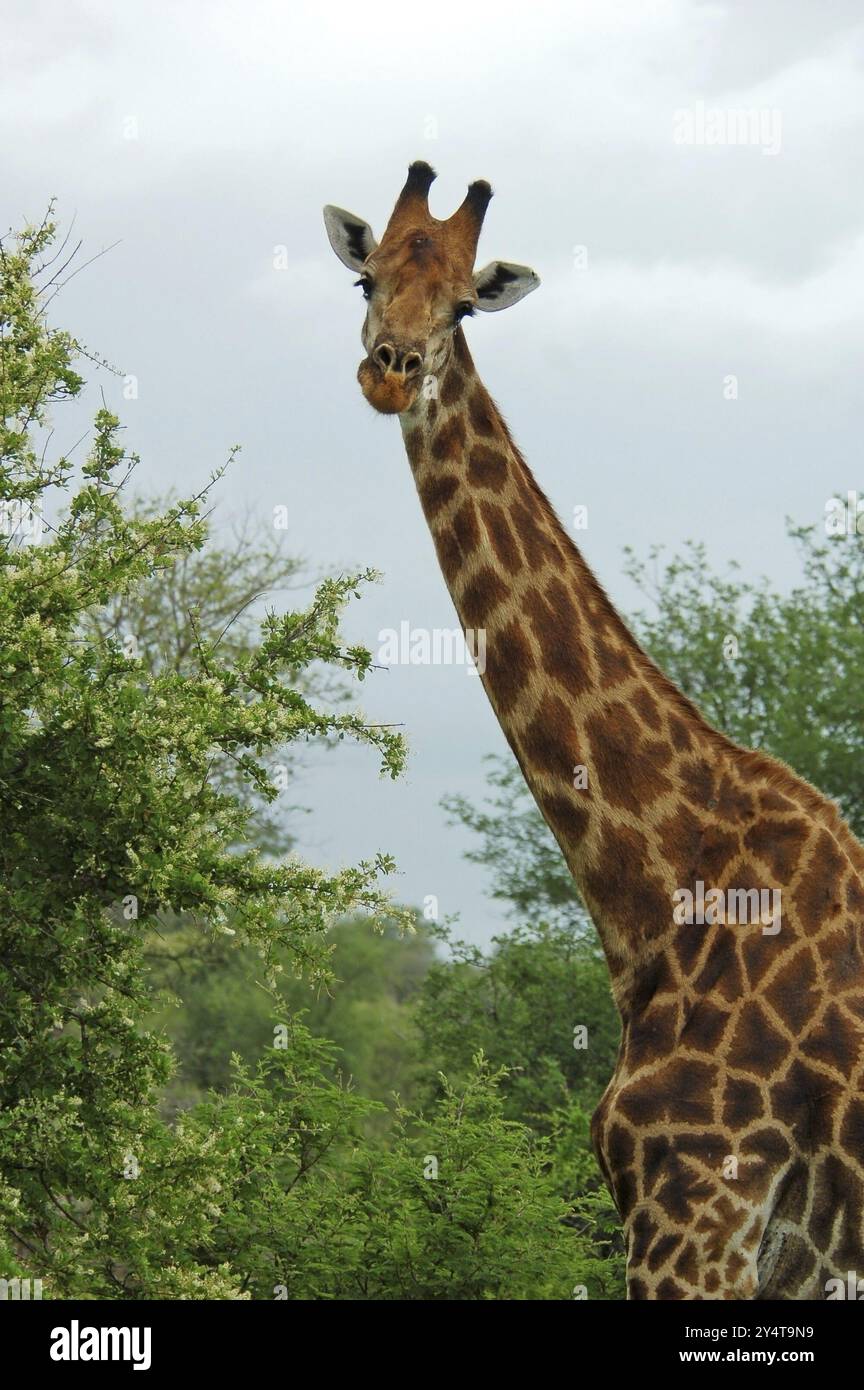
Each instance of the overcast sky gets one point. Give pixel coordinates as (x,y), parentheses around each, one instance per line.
(204,136)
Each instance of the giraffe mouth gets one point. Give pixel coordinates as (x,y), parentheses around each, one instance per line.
(387,392)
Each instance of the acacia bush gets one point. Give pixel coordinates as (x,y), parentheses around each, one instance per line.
(111,818)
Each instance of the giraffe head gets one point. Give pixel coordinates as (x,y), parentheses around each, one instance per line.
(419,282)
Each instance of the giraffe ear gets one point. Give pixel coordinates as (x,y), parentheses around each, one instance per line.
(501,284)
(350,237)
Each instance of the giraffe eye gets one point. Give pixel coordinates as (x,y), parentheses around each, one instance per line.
(365,285)
(464,310)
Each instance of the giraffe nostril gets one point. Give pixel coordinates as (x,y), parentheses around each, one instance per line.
(412,364)
(385,356)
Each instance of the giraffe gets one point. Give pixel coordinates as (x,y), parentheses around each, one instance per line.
(731,1134)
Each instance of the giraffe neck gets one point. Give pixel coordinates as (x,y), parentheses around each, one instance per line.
(599,732)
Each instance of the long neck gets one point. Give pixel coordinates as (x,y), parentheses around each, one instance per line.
(603,739)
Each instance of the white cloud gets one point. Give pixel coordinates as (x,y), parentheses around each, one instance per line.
(704,298)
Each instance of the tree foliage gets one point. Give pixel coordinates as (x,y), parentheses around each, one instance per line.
(459,1206)
(111,815)
(793,680)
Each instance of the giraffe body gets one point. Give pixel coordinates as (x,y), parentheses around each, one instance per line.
(732,1131)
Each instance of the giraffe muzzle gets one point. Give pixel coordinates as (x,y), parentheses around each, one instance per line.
(390,377)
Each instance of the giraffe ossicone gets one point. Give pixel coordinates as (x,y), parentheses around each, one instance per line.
(737,1043)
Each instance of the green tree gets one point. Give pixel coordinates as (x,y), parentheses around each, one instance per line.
(111,817)
(459,1207)
(219,1009)
(215,1005)
(536,1002)
(793,686)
